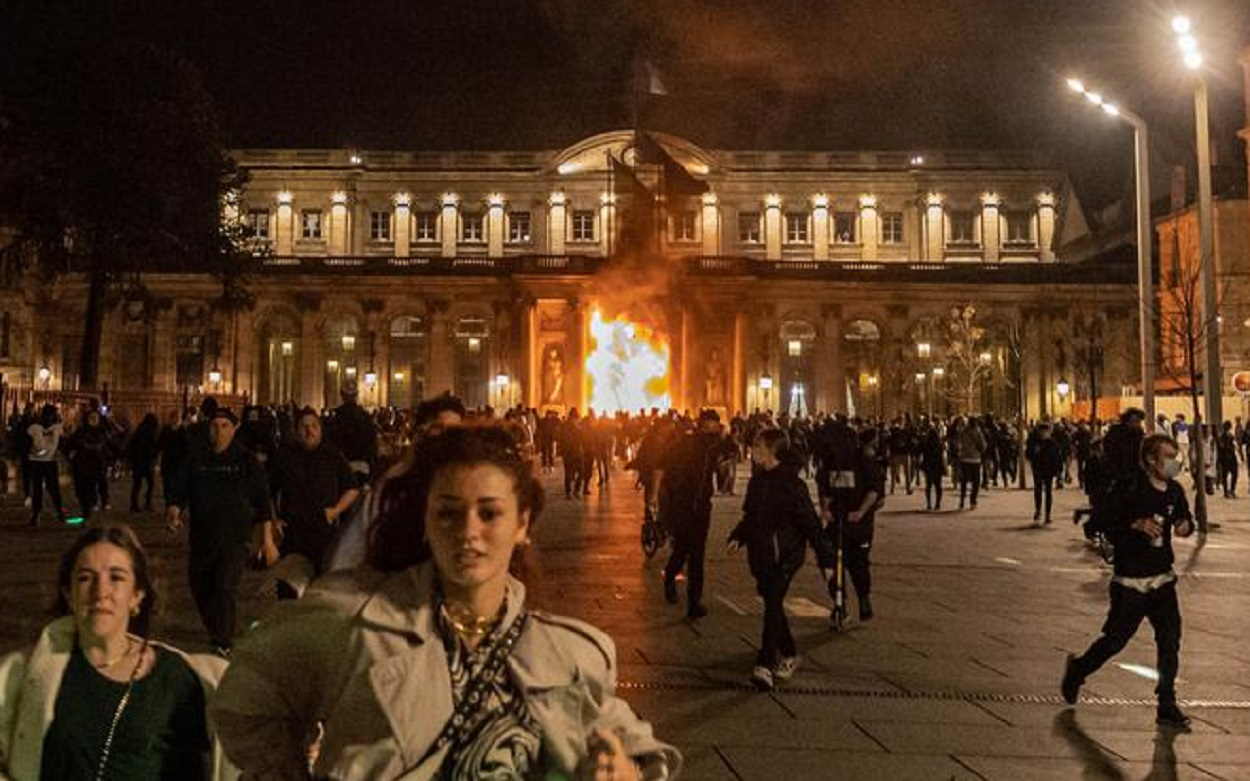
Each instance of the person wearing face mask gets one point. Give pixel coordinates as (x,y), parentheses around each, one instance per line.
(426,662)
(1145,515)
(96,697)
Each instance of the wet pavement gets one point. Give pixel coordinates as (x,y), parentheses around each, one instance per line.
(956,677)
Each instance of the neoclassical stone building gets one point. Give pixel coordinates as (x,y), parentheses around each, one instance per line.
(780,279)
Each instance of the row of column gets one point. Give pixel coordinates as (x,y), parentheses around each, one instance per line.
(932,244)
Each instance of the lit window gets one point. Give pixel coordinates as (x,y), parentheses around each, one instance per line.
(892,228)
(796,228)
(258,223)
(519,227)
(1019,228)
(475,344)
(749,227)
(311,222)
(961,227)
(425,226)
(683,227)
(844,228)
(583,226)
(380,226)
(795,348)
(471,227)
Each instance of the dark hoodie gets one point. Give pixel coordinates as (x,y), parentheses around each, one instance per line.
(778,520)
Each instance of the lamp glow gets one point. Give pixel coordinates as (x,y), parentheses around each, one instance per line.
(45,374)
(1094,97)
(920,376)
(938,371)
(766,382)
(349,342)
(332,365)
(1076,85)
(1111,109)
(1188,43)
(214,376)
(398,376)
(288,349)
(1181,25)
(371,378)
(1063,388)
(501,380)
(1193,61)
(924,349)
(986,358)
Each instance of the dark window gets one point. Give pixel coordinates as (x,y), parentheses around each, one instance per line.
(380,226)
(426,226)
(892,228)
(311,221)
(258,223)
(961,228)
(749,227)
(683,226)
(844,228)
(1019,228)
(471,227)
(519,227)
(583,226)
(796,228)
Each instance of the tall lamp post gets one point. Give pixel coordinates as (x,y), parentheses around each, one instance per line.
(1145,279)
(1213,373)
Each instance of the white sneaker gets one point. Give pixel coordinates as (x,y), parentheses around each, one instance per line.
(786,667)
(762,677)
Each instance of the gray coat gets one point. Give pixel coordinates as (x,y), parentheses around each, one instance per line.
(360,652)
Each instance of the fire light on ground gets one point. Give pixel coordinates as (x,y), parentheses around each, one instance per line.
(628,366)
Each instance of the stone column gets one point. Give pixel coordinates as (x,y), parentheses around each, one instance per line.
(609,231)
(311,369)
(449,224)
(737,374)
(164,369)
(934,232)
(528,365)
(868,229)
(832,396)
(557,222)
(494,226)
(710,225)
(338,239)
(772,227)
(440,376)
(284,230)
(1046,226)
(820,227)
(574,370)
(991,233)
(402,229)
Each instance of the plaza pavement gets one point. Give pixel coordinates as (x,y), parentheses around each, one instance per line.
(957,677)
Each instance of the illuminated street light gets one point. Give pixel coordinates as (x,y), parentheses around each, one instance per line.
(921,376)
(501,380)
(939,372)
(349,342)
(1063,388)
(766,382)
(214,376)
(1193,60)
(288,349)
(45,374)
(1145,282)
(924,349)
(986,358)
(371,378)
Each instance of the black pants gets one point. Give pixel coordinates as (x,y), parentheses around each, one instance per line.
(725,474)
(214,577)
(44,474)
(856,544)
(1043,487)
(141,474)
(548,450)
(27,474)
(1008,470)
(969,476)
(689,551)
(933,487)
(1128,608)
(1228,478)
(777,641)
(87,490)
(572,475)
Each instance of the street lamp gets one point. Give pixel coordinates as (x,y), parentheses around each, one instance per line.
(214,376)
(349,343)
(45,376)
(1213,373)
(766,385)
(371,378)
(1063,388)
(1145,282)
(924,349)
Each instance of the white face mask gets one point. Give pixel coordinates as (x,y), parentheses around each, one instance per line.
(1171,468)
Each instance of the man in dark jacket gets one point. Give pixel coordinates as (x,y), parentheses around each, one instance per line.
(1146,513)
(355,434)
(1045,459)
(313,488)
(685,480)
(778,522)
(224,492)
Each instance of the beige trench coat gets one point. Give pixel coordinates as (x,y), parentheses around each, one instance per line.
(360,652)
(29,685)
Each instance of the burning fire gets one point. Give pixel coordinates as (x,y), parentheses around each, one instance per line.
(628,366)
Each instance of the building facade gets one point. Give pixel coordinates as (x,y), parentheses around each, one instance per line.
(799,281)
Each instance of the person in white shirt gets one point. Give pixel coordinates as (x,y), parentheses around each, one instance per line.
(45,436)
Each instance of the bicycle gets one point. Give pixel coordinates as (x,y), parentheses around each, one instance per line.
(654,535)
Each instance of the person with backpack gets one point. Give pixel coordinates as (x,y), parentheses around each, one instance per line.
(932,466)
(778,523)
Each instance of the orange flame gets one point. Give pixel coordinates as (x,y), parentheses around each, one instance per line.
(628,366)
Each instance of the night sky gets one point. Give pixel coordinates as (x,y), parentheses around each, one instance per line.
(783,74)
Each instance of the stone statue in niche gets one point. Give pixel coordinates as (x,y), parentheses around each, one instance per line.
(714,383)
(553,374)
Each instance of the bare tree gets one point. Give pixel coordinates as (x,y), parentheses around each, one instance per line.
(966,359)
(1184,324)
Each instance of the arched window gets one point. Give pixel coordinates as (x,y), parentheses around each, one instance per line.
(798,339)
(408,356)
(472,335)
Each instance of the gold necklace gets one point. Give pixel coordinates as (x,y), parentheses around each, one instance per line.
(110,662)
(466,622)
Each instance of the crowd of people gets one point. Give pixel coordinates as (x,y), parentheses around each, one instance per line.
(398,526)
